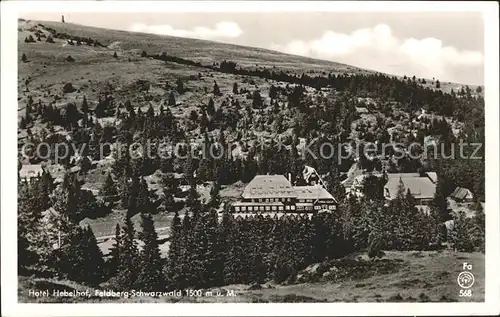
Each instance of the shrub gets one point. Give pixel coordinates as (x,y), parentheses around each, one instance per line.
(29,39)
(68,87)
(70,59)
(49,39)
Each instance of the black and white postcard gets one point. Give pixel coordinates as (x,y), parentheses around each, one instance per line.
(220,158)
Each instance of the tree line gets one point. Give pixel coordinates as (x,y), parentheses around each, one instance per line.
(206,251)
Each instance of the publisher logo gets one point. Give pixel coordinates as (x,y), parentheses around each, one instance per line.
(465,279)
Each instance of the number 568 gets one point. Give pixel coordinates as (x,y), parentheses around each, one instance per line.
(465,293)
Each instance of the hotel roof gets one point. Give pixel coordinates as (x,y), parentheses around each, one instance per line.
(312,192)
(269,186)
(420,187)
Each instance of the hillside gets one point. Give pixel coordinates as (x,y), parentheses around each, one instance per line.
(150,140)
(417,277)
(94,65)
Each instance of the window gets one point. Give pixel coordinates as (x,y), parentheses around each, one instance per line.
(243,208)
(287,207)
(236,209)
(261,208)
(274,208)
(292,207)
(317,207)
(268,208)
(250,208)
(280,208)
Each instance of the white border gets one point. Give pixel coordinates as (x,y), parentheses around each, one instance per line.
(9,59)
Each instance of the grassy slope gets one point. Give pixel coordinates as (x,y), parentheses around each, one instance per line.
(198,50)
(423,276)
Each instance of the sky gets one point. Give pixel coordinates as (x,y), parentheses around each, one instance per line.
(448,46)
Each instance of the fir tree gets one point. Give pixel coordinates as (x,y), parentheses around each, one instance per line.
(171,99)
(215,195)
(185,277)
(180,86)
(477,230)
(459,235)
(216,90)
(173,273)
(257,102)
(273,92)
(115,251)
(211,107)
(235,88)
(109,191)
(24,59)
(85,110)
(142,199)
(127,273)
(81,258)
(34,250)
(151,275)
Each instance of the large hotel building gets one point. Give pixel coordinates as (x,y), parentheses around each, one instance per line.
(275,193)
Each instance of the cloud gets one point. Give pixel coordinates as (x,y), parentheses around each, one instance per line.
(222,30)
(378,49)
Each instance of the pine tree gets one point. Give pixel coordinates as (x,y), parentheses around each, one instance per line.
(123,189)
(171,99)
(215,195)
(94,259)
(216,90)
(180,86)
(115,251)
(85,110)
(143,201)
(151,275)
(109,191)
(199,252)
(115,55)
(24,59)
(478,229)
(133,193)
(185,277)
(273,92)
(459,235)
(257,102)
(127,273)
(375,245)
(235,88)
(34,249)
(81,259)
(173,272)
(211,107)
(224,235)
